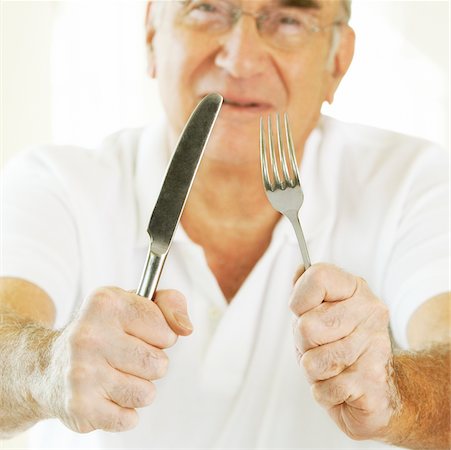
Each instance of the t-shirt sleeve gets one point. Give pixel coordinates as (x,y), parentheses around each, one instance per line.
(418,267)
(38,231)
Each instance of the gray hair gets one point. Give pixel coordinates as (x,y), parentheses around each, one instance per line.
(336,32)
(346,8)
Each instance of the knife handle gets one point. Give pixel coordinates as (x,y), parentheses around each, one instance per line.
(151,274)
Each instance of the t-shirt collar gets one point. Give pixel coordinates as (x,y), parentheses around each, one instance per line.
(153,157)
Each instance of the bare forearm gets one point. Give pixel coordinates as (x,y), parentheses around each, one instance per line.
(422,380)
(24,355)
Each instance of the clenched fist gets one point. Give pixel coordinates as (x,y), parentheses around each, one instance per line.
(343,344)
(104,362)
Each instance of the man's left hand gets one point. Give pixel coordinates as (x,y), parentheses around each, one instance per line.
(343,343)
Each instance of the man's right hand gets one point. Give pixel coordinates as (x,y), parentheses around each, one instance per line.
(104,362)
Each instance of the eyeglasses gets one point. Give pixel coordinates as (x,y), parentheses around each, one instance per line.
(283,27)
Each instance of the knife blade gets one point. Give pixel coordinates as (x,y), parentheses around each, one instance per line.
(175,189)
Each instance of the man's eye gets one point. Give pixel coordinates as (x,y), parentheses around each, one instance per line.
(202,7)
(289,22)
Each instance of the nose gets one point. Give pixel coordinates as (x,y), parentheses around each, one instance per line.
(242,53)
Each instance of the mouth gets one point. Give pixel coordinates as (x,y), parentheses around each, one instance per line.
(245,105)
(241,104)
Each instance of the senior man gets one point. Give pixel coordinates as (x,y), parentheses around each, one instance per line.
(86,356)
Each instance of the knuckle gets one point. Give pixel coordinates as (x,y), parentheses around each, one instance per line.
(145,357)
(113,422)
(138,307)
(142,395)
(127,421)
(153,362)
(306,327)
(101,296)
(163,364)
(315,274)
(384,312)
(323,363)
(82,340)
(362,282)
(177,299)
(378,373)
(331,362)
(317,392)
(134,396)
(345,353)
(337,392)
(149,394)
(103,301)
(331,316)
(308,363)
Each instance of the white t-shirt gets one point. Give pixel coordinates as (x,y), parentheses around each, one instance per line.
(376,204)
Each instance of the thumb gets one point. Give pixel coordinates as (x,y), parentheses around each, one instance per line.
(173,305)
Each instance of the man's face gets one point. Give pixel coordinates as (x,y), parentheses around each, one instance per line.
(255,77)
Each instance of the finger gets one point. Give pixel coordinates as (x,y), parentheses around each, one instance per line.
(299,272)
(344,388)
(129,391)
(86,414)
(131,313)
(142,318)
(328,322)
(135,357)
(363,385)
(321,282)
(327,361)
(117,419)
(173,306)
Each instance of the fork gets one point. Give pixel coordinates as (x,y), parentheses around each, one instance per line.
(283,192)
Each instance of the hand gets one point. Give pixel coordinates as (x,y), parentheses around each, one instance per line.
(104,362)
(343,343)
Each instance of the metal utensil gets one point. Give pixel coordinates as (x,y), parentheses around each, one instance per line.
(176,186)
(284,192)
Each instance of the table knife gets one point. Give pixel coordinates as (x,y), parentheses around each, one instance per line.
(175,189)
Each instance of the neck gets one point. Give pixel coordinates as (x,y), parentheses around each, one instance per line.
(229,216)
(231,196)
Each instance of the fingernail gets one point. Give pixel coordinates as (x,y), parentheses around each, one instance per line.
(183,321)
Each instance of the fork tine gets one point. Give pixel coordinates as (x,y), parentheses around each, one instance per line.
(291,151)
(263,160)
(282,152)
(272,155)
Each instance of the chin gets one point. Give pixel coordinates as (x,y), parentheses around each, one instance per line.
(234,145)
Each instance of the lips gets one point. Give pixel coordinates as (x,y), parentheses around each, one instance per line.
(241,104)
(249,104)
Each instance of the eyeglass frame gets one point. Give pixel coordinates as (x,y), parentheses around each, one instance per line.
(237,12)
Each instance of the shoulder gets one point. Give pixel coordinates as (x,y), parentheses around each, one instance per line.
(64,164)
(374,152)
(358,138)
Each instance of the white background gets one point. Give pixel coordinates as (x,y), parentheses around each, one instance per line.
(74,71)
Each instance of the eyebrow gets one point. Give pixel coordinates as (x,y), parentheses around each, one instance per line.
(307,4)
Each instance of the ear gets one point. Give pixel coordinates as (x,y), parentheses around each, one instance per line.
(150,33)
(342,60)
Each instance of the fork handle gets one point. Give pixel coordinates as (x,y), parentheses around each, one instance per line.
(294,219)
